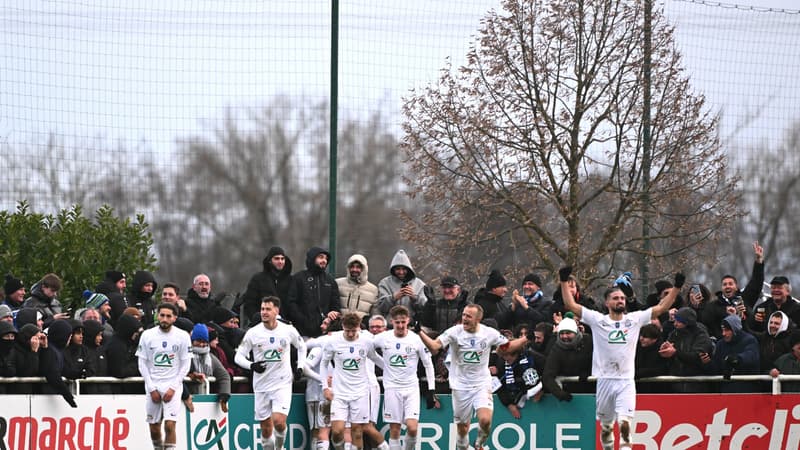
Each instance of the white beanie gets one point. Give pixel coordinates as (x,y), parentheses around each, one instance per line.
(568,324)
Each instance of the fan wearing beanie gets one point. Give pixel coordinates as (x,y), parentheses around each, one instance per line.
(491,299)
(15,292)
(205,364)
(614,338)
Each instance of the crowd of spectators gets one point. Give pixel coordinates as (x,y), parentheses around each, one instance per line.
(731,332)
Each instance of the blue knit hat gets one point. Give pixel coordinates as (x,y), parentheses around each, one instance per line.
(200,332)
(96,300)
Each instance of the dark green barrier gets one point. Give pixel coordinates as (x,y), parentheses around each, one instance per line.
(546,425)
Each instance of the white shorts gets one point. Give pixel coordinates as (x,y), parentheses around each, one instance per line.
(277,401)
(316,414)
(615,398)
(374,402)
(465,403)
(353,411)
(400,405)
(156,412)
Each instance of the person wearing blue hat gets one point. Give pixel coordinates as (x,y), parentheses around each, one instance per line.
(205,364)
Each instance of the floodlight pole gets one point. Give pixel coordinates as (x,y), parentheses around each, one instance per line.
(646,145)
(334,136)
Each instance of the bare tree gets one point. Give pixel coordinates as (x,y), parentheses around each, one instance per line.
(530,155)
(771,195)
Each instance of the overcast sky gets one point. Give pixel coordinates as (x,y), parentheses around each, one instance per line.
(159,71)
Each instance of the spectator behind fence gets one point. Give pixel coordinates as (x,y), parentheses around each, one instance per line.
(24,358)
(530,307)
(648,361)
(204,364)
(776,341)
(93,339)
(313,296)
(77,363)
(570,355)
(688,349)
(789,364)
(356,293)
(492,299)
(520,373)
(735,354)
(274,279)
(401,287)
(8,334)
(43,298)
(441,314)
(52,365)
(731,300)
(15,292)
(113,286)
(121,353)
(780,300)
(200,302)
(142,296)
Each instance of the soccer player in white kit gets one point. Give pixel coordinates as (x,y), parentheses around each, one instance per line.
(470,380)
(614,336)
(272,370)
(165,356)
(402,351)
(349,350)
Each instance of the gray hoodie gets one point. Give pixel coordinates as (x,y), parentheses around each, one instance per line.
(391,284)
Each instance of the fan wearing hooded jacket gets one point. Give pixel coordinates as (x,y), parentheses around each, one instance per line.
(313,295)
(401,287)
(356,293)
(52,364)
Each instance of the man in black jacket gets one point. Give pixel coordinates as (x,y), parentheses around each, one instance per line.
(273,280)
(688,349)
(121,353)
(441,314)
(52,364)
(313,295)
(571,355)
(200,303)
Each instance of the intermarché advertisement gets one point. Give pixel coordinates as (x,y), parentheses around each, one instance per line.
(663,422)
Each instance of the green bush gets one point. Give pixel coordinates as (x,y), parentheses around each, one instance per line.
(74,247)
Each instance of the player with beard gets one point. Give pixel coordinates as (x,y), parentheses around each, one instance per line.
(164,356)
(614,337)
(270,343)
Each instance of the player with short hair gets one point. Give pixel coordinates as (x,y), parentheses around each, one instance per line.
(470,380)
(165,356)
(348,350)
(270,345)
(402,351)
(614,338)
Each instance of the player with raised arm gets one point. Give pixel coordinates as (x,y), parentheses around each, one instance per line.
(614,336)
(348,350)
(402,351)
(165,356)
(470,380)
(269,343)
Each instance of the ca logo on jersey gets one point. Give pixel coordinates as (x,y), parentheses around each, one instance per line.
(398,360)
(272,355)
(472,357)
(617,337)
(350,364)
(163,359)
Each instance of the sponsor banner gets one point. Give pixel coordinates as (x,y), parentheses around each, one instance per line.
(117,422)
(717,422)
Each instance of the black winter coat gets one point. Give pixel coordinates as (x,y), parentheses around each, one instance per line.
(567,362)
(267,282)
(313,293)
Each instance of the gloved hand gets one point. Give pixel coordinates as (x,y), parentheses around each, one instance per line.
(430,399)
(417,326)
(624,283)
(70,400)
(732,360)
(298,373)
(258,367)
(564,396)
(564,273)
(679,280)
